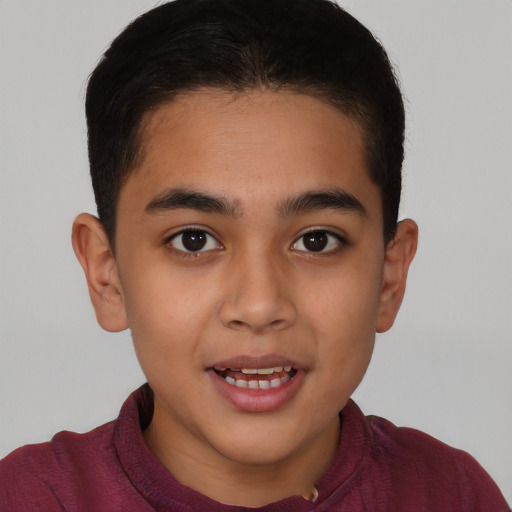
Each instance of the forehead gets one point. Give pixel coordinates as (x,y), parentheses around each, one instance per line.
(214,116)
(250,146)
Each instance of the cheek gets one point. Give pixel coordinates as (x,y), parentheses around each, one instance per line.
(345,348)
(167,313)
(345,305)
(343,315)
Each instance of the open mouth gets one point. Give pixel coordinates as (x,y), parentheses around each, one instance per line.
(257,378)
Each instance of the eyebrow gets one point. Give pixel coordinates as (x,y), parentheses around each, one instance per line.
(182,198)
(331,199)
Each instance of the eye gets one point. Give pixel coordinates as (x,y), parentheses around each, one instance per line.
(318,241)
(194,241)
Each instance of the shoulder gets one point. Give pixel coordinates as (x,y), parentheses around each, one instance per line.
(40,476)
(409,447)
(436,472)
(22,486)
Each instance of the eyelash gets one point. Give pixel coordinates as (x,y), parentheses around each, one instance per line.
(332,238)
(337,240)
(193,230)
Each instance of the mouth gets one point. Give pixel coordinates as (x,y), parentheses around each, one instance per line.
(258,384)
(257,378)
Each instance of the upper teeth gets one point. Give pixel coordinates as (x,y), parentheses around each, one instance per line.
(265,371)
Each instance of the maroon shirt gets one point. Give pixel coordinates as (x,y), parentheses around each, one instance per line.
(378,467)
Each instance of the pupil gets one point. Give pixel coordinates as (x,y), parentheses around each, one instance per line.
(194,240)
(315,241)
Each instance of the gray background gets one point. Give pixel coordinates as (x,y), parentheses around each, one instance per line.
(444,368)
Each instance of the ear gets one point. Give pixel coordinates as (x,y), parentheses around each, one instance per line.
(93,251)
(399,255)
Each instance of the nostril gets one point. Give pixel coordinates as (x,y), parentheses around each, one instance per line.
(237,324)
(257,312)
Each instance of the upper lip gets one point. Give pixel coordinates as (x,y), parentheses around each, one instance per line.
(261,361)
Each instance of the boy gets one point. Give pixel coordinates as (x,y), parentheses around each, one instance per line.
(246,161)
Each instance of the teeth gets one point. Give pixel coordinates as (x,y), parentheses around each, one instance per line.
(264,371)
(257,384)
(275,383)
(253,382)
(250,371)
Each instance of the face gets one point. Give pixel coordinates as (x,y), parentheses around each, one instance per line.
(250,257)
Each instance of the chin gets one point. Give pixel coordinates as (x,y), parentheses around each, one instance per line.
(257,446)
(262,455)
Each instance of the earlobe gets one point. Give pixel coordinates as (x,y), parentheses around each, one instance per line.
(399,255)
(93,251)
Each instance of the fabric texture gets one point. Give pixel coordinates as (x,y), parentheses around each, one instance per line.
(378,468)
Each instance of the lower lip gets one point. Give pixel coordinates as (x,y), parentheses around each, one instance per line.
(258,400)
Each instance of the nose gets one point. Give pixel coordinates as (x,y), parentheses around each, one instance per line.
(259,296)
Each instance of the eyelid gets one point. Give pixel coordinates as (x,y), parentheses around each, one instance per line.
(341,239)
(184,229)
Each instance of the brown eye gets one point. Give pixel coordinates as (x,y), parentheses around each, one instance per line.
(194,240)
(318,241)
(315,241)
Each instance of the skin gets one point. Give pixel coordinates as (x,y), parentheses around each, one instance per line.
(254,290)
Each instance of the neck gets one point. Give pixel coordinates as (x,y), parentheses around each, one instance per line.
(199,466)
